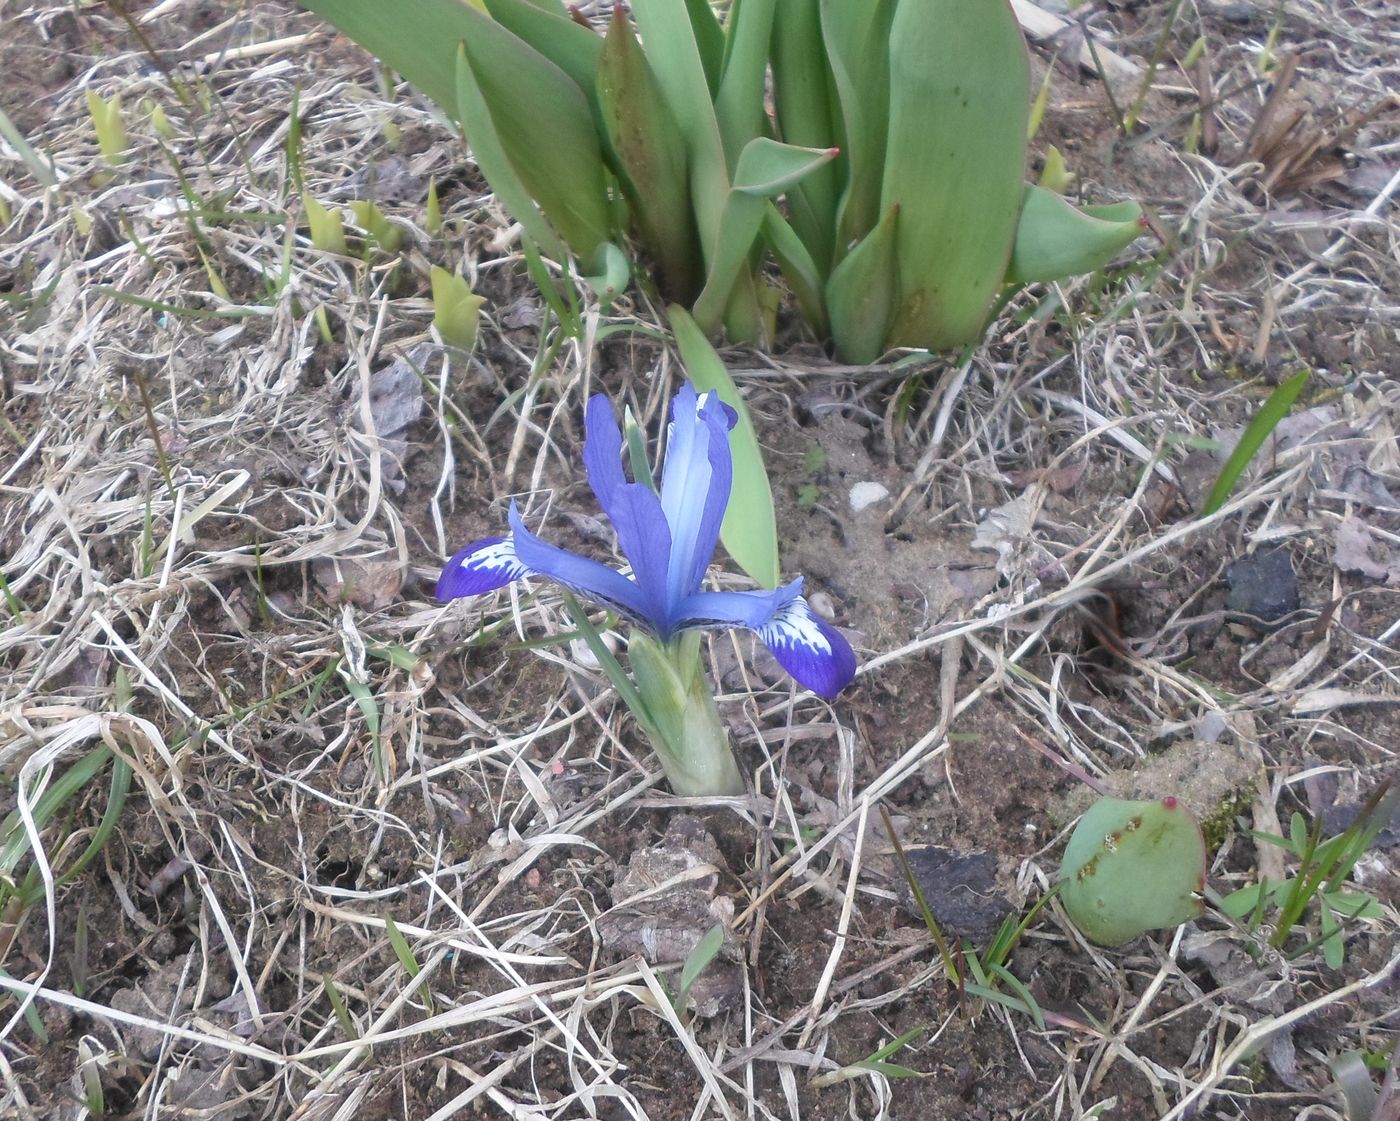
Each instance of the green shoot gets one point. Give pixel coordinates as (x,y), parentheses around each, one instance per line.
(159,121)
(1158,52)
(1252,439)
(699,960)
(1324,866)
(637,450)
(949,964)
(90,1070)
(404,953)
(106,114)
(342,1013)
(363,697)
(875,1062)
(12,601)
(43,171)
(327,229)
(381,231)
(456,309)
(432,222)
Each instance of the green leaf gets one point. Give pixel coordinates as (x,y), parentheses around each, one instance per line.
(651,160)
(801,272)
(1054,239)
(327,229)
(856,40)
(521,88)
(804,96)
(609,274)
(862,293)
(956,153)
(456,309)
(569,45)
(495,165)
(674,51)
(371,219)
(749,530)
(708,37)
(1252,439)
(107,122)
(417,40)
(766,168)
(739,108)
(699,960)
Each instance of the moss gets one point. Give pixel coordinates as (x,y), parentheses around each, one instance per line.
(1221,822)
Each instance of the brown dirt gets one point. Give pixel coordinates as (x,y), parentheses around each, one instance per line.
(271,830)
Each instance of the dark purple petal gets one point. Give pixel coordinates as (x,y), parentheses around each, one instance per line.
(633,508)
(749,610)
(810,648)
(482,566)
(602,451)
(588,578)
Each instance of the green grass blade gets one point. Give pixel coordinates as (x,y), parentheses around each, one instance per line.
(1255,433)
(42,171)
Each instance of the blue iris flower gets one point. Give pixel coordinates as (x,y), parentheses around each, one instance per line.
(669,540)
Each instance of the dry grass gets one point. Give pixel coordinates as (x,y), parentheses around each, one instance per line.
(215,570)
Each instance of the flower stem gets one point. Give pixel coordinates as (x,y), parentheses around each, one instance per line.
(684,725)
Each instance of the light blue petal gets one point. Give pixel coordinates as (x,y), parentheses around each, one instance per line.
(482,566)
(586,577)
(695,482)
(634,509)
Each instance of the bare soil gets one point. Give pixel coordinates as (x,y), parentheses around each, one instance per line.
(232,594)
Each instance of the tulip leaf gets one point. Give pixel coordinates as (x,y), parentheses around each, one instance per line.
(739,108)
(650,159)
(749,530)
(674,50)
(569,45)
(708,38)
(799,269)
(495,165)
(855,40)
(564,172)
(860,296)
(418,40)
(766,168)
(959,97)
(609,274)
(804,95)
(1054,239)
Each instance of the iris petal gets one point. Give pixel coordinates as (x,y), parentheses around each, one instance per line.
(750,610)
(695,483)
(482,566)
(814,652)
(811,649)
(634,509)
(602,451)
(588,578)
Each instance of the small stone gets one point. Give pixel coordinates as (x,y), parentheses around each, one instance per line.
(1262,585)
(866,494)
(822,604)
(960,889)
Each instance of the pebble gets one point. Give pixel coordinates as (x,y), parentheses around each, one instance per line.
(866,494)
